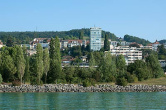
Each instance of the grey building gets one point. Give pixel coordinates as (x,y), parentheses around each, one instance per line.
(95,38)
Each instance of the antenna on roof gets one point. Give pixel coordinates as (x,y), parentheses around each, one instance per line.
(94,25)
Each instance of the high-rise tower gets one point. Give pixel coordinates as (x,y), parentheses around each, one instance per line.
(95,38)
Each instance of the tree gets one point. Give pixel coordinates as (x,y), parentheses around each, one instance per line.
(121,65)
(46,63)
(154,66)
(139,68)
(107,68)
(91,60)
(106,43)
(161,52)
(10,42)
(39,62)
(20,64)
(81,35)
(134,45)
(27,72)
(8,68)
(76,51)
(55,60)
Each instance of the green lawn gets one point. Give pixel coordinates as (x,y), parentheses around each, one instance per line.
(156,81)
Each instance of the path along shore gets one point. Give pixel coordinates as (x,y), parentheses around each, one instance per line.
(80,88)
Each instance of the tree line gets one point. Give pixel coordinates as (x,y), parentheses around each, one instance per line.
(45,67)
(130,38)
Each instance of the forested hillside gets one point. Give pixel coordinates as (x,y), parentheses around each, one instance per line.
(25,37)
(162,41)
(130,38)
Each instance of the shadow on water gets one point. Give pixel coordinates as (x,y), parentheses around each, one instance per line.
(61,101)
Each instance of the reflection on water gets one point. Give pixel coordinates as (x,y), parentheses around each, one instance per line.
(63,101)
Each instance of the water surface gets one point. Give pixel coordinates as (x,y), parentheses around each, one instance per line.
(97,101)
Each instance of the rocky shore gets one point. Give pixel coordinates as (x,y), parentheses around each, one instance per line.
(80,88)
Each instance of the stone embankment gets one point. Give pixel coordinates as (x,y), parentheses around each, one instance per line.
(80,88)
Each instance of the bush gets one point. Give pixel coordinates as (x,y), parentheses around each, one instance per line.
(88,82)
(1,79)
(121,81)
(112,78)
(16,83)
(131,78)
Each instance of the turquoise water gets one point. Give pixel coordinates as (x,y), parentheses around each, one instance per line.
(83,101)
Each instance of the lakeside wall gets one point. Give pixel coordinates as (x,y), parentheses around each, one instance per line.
(80,88)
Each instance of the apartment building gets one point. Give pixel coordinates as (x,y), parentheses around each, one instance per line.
(130,53)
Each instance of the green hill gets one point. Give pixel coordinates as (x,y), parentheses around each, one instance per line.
(25,37)
(130,38)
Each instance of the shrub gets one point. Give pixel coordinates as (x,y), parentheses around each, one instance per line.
(16,83)
(88,82)
(121,81)
(131,78)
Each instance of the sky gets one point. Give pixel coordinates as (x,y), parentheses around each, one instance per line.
(142,18)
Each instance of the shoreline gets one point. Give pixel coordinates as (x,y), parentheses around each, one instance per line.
(80,88)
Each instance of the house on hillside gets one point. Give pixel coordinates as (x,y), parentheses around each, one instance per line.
(43,41)
(1,44)
(155,45)
(66,60)
(71,43)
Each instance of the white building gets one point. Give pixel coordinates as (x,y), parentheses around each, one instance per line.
(155,45)
(71,43)
(122,43)
(146,47)
(164,45)
(95,38)
(1,44)
(130,53)
(162,63)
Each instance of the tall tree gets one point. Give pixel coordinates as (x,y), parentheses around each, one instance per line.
(46,63)
(20,63)
(8,68)
(106,43)
(27,72)
(55,60)
(91,60)
(121,65)
(39,62)
(107,68)
(154,66)
(26,57)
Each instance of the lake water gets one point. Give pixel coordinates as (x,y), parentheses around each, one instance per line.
(83,101)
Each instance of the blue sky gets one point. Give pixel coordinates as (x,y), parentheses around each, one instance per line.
(142,18)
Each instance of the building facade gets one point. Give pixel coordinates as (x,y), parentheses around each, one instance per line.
(71,43)
(130,53)
(155,45)
(95,38)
